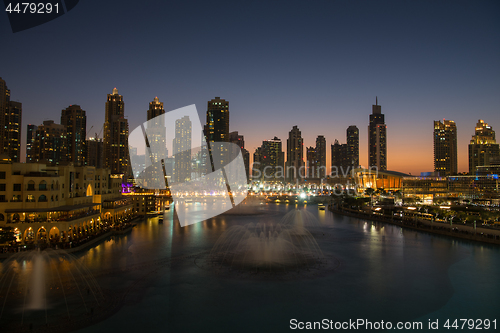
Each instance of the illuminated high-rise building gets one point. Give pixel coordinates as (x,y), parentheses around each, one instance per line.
(483,147)
(10,124)
(353,146)
(75,121)
(12,139)
(217,129)
(295,168)
(272,160)
(4,104)
(182,149)
(320,157)
(156,138)
(445,147)
(115,143)
(377,139)
(30,140)
(50,144)
(217,120)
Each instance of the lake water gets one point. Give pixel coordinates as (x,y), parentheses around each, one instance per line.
(381,272)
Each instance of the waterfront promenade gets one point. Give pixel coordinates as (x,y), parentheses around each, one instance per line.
(480,234)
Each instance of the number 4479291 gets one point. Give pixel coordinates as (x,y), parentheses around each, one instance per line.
(477,324)
(33,8)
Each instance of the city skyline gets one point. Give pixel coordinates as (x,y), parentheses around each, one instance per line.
(148,115)
(424,62)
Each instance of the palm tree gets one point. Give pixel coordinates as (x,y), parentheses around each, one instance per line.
(369,191)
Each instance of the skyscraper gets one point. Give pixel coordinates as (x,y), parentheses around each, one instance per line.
(445,147)
(156,131)
(4,104)
(217,129)
(10,124)
(50,144)
(239,140)
(182,149)
(115,143)
(257,164)
(218,120)
(13,119)
(272,160)
(483,147)
(353,146)
(30,140)
(95,149)
(320,157)
(377,139)
(340,162)
(75,121)
(312,162)
(295,155)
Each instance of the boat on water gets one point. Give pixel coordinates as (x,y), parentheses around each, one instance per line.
(321,206)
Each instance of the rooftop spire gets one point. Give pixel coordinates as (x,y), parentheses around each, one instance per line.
(376,100)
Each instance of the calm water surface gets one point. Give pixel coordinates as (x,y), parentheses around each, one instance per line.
(386,273)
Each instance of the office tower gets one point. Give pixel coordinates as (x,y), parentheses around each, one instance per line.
(75,121)
(182,149)
(157,133)
(217,130)
(257,164)
(312,162)
(12,131)
(239,140)
(320,157)
(377,139)
(115,143)
(10,124)
(50,144)
(295,155)
(340,159)
(272,160)
(445,147)
(218,120)
(353,146)
(95,149)
(30,140)
(483,147)
(4,103)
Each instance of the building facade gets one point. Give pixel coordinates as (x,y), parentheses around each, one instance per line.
(377,139)
(445,147)
(115,143)
(10,124)
(483,147)
(59,204)
(295,167)
(182,149)
(75,121)
(353,145)
(50,144)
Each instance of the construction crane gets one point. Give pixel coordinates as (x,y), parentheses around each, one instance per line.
(97,135)
(86,135)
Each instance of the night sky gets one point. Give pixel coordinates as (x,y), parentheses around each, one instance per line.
(315,64)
